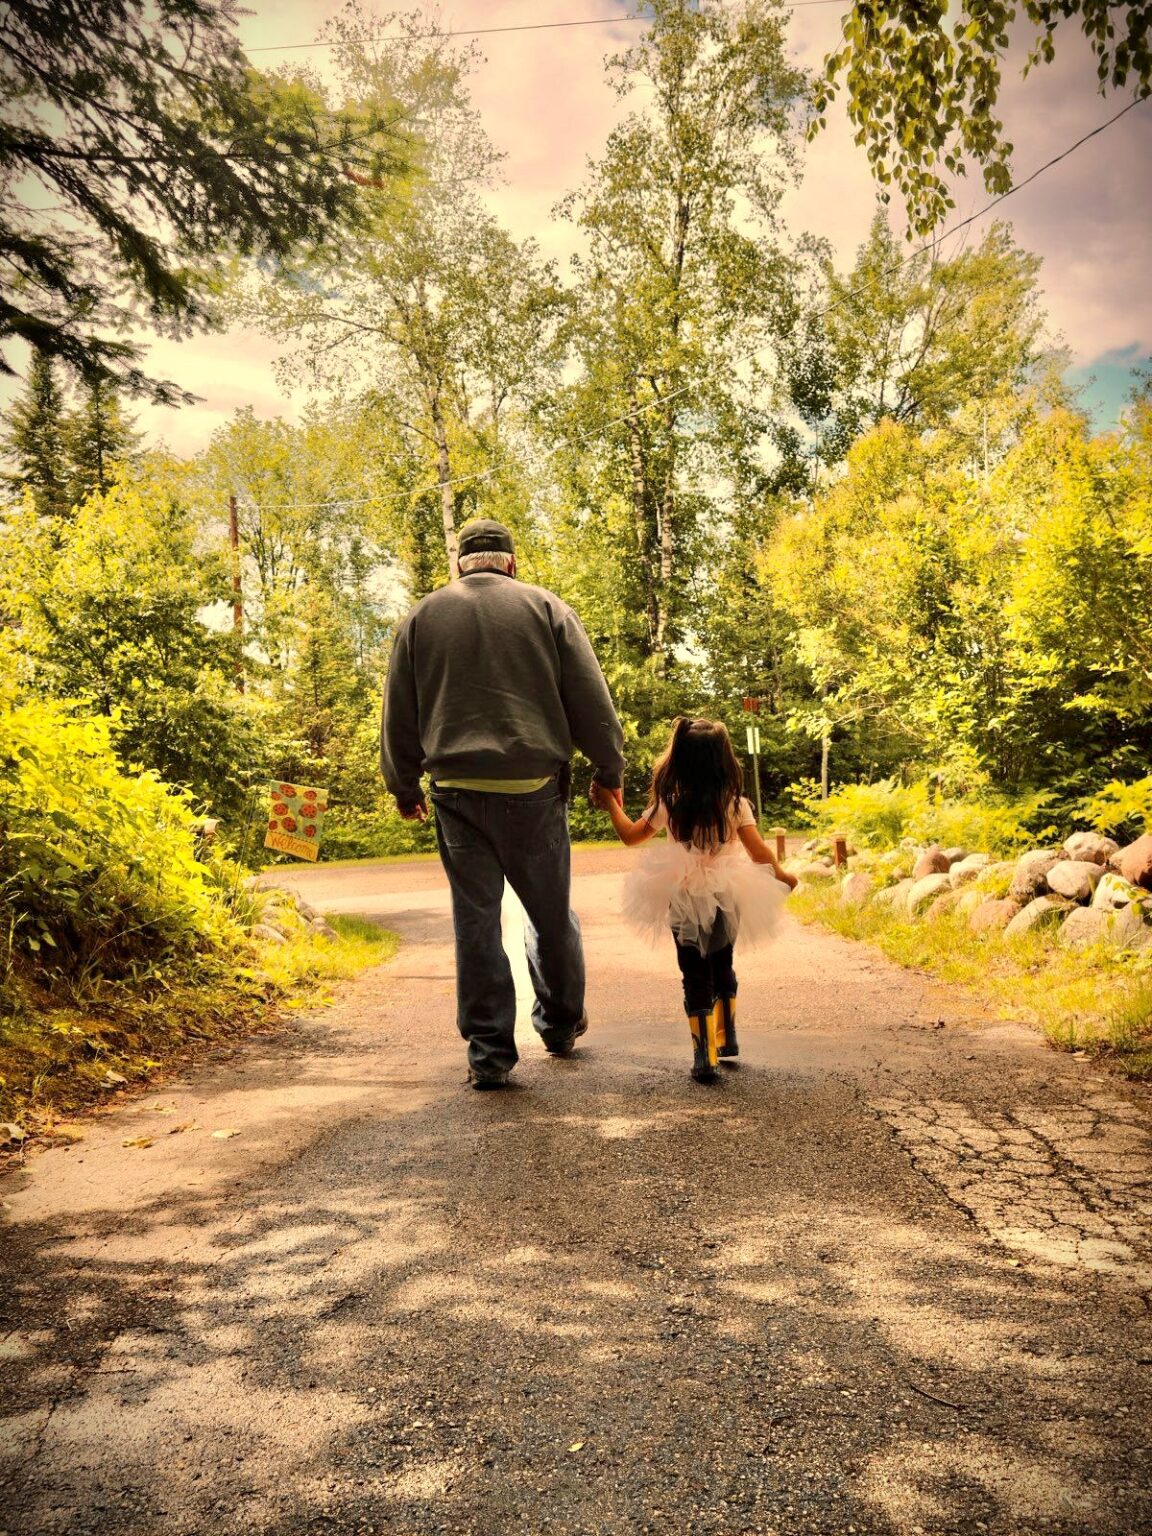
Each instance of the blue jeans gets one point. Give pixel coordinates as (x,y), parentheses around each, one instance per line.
(485,839)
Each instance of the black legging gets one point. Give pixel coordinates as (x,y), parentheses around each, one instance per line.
(706,977)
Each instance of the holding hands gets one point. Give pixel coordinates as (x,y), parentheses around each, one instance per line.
(600,797)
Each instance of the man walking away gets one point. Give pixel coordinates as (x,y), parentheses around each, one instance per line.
(490,685)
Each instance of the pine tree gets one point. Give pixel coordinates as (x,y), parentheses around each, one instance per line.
(140,154)
(99,437)
(35,441)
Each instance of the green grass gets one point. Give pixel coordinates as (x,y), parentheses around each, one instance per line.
(59,1047)
(1095,1000)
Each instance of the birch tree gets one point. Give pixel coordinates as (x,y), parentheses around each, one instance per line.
(433,308)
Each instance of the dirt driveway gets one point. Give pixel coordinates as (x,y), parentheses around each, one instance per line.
(893,1275)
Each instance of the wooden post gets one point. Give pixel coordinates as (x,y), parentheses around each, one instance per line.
(781,844)
(840,849)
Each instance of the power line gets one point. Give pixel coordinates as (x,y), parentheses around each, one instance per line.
(475,477)
(528,26)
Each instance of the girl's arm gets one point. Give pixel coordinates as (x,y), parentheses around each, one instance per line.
(760,853)
(629,832)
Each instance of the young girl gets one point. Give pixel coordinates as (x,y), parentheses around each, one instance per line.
(699,883)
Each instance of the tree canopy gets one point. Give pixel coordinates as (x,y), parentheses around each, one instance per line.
(139,153)
(923,91)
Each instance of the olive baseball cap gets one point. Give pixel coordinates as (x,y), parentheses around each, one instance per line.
(482,535)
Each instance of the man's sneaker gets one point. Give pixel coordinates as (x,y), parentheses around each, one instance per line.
(563,1047)
(483,1080)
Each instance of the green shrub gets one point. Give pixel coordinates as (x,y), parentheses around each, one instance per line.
(350,834)
(98,868)
(887,813)
(1121,810)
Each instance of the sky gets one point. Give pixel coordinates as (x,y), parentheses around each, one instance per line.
(545,103)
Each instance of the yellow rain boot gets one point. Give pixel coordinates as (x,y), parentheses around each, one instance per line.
(703,1046)
(725,1015)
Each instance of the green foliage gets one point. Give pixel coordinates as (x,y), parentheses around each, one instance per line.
(109,607)
(100,441)
(887,813)
(430,314)
(993,623)
(35,442)
(141,153)
(922,91)
(684,279)
(1121,810)
(98,869)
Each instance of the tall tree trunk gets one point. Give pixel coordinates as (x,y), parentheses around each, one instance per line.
(444,480)
(640,523)
(825,752)
(667,550)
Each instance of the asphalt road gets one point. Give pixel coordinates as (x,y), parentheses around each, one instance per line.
(893,1275)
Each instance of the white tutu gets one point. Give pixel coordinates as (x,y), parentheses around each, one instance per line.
(684,889)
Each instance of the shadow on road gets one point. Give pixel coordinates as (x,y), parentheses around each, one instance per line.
(627,1310)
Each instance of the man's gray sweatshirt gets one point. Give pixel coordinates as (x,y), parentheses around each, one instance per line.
(491,678)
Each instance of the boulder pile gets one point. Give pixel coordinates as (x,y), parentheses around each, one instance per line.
(1089,891)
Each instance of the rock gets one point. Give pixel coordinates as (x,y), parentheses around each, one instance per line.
(992,913)
(814,870)
(1134,863)
(1112,892)
(1041,912)
(325,930)
(954,855)
(1121,929)
(894,895)
(1030,877)
(968,901)
(1074,878)
(10,1134)
(267,933)
(930,862)
(855,889)
(306,911)
(924,890)
(941,905)
(1090,845)
(968,868)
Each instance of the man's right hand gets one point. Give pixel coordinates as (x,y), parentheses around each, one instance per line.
(417,812)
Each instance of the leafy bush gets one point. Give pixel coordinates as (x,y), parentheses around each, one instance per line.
(887,813)
(98,869)
(351,834)
(1121,810)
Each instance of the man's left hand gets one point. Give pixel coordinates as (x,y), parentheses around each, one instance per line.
(598,793)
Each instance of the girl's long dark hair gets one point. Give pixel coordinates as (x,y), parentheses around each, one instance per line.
(699,782)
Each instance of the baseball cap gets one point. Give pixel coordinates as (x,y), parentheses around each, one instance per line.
(483,534)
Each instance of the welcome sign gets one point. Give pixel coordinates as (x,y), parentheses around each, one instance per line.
(295,819)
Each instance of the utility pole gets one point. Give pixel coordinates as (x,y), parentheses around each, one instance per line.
(237,591)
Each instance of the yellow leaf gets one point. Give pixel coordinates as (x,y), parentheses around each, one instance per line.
(579,1446)
(224,1135)
(139,1141)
